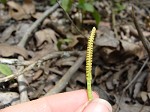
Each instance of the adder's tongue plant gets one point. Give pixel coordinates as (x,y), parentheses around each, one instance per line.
(89,56)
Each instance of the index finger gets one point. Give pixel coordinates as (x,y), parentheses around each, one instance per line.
(66,102)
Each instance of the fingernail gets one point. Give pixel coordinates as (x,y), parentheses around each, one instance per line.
(98,105)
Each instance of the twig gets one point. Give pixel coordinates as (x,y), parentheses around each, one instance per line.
(137,75)
(65,79)
(57,30)
(134,79)
(72,21)
(22,88)
(36,24)
(9,61)
(145,42)
(22,43)
(15,62)
(114,23)
(45,58)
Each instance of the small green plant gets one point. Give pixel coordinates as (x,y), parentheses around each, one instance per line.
(63,41)
(86,6)
(89,56)
(3,1)
(66,4)
(52,2)
(118,7)
(5,70)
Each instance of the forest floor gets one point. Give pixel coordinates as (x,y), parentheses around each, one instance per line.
(42,46)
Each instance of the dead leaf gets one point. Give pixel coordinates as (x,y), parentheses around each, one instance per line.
(98,71)
(144,96)
(56,71)
(111,55)
(138,84)
(107,39)
(133,48)
(16,11)
(148,82)
(19,12)
(133,31)
(74,42)
(9,98)
(21,30)
(148,95)
(7,33)
(48,48)
(124,107)
(78,77)
(50,81)
(7,50)
(66,61)
(103,78)
(4,16)
(29,7)
(38,15)
(109,83)
(46,35)
(37,74)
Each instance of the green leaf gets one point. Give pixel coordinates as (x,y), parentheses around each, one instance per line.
(88,7)
(52,2)
(66,4)
(97,17)
(62,41)
(119,7)
(81,2)
(4,69)
(3,1)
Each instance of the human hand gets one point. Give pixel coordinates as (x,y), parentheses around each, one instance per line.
(75,101)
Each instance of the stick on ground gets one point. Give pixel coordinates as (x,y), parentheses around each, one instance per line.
(61,84)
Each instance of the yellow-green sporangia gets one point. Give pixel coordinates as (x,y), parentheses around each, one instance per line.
(89,56)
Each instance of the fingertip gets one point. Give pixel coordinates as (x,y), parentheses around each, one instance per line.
(98,105)
(95,94)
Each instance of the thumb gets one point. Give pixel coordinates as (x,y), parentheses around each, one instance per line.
(96,105)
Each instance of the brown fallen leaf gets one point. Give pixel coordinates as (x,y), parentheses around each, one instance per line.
(148,85)
(46,35)
(37,74)
(124,107)
(9,98)
(19,12)
(48,48)
(98,72)
(78,77)
(16,11)
(139,83)
(7,33)
(4,16)
(130,29)
(111,55)
(66,61)
(37,15)
(144,96)
(107,39)
(28,6)
(133,48)
(7,50)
